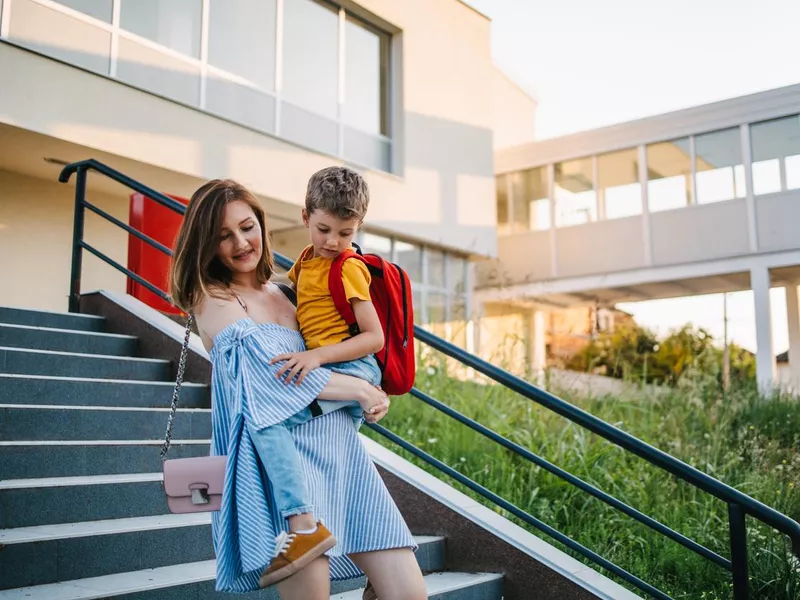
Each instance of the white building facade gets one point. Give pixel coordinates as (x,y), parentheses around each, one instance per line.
(265,92)
(703,200)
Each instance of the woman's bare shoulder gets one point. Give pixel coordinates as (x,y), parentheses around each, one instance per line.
(214,313)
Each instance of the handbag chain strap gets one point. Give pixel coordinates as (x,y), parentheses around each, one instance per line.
(177,391)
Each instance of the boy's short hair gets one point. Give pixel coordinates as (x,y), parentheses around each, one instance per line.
(338,191)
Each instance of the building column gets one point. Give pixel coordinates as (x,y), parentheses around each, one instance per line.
(538,345)
(765,356)
(793,320)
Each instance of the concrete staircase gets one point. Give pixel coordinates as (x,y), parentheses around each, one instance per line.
(82,512)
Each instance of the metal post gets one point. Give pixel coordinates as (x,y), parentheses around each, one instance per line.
(77,238)
(738,531)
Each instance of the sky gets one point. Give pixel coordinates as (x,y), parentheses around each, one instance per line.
(591,64)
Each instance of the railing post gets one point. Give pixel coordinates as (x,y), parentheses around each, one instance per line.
(738,531)
(77,239)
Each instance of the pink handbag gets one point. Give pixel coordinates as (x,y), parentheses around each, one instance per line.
(191,484)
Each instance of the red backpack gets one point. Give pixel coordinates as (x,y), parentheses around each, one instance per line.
(390,291)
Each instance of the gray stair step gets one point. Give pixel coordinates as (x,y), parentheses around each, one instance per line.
(53,500)
(60,458)
(38,318)
(67,340)
(19,422)
(69,364)
(194,581)
(86,391)
(52,553)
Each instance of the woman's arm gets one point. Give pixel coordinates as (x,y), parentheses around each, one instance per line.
(348,388)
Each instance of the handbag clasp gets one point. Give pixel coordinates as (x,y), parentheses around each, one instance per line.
(200,496)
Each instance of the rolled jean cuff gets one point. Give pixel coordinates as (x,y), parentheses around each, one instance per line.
(290,512)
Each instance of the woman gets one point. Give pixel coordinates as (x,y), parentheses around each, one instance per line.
(220,273)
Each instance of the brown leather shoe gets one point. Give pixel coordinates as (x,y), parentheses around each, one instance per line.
(369,592)
(293,551)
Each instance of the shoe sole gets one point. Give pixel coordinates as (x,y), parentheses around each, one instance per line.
(294,567)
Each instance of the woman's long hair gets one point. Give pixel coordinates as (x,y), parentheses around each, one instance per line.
(195,270)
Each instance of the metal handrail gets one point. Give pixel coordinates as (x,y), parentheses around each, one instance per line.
(739,504)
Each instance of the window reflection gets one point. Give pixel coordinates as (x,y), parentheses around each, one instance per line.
(174,24)
(530,201)
(366,70)
(576,200)
(456,274)
(775,147)
(310,56)
(719,170)
(376,244)
(241,39)
(409,257)
(501,186)
(669,172)
(618,183)
(99,9)
(435,268)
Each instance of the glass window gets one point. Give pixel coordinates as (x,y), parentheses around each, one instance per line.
(435,268)
(576,200)
(437,312)
(174,24)
(376,244)
(669,173)
(310,56)
(99,9)
(366,71)
(618,182)
(241,39)
(409,257)
(503,225)
(719,172)
(530,201)
(776,155)
(456,273)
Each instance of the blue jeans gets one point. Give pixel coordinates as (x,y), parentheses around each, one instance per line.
(277,451)
(279,456)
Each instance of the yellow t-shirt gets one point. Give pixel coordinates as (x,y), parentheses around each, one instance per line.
(320,322)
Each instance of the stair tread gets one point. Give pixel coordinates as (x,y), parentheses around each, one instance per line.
(436,583)
(85,355)
(175,442)
(83,480)
(102,334)
(98,379)
(104,586)
(147,409)
(56,313)
(40,533)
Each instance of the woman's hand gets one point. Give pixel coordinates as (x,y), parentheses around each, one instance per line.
(375,404)
(298,364)
(377,412)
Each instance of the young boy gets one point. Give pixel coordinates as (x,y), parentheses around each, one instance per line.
(336,204)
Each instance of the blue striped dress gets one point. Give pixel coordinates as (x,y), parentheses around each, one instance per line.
(346,489)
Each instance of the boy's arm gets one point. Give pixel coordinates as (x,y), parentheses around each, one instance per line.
(369,341)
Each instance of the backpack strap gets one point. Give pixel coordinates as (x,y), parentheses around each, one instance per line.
(336,287)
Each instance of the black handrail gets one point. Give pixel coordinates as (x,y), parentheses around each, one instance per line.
(739,504)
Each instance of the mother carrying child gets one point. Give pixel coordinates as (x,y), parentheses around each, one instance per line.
(302,503)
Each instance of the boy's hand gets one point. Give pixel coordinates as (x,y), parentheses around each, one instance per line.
(298,364)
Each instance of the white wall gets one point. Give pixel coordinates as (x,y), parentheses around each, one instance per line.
(513,111)
(36,242)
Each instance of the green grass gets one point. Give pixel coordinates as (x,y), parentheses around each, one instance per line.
(745,441)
